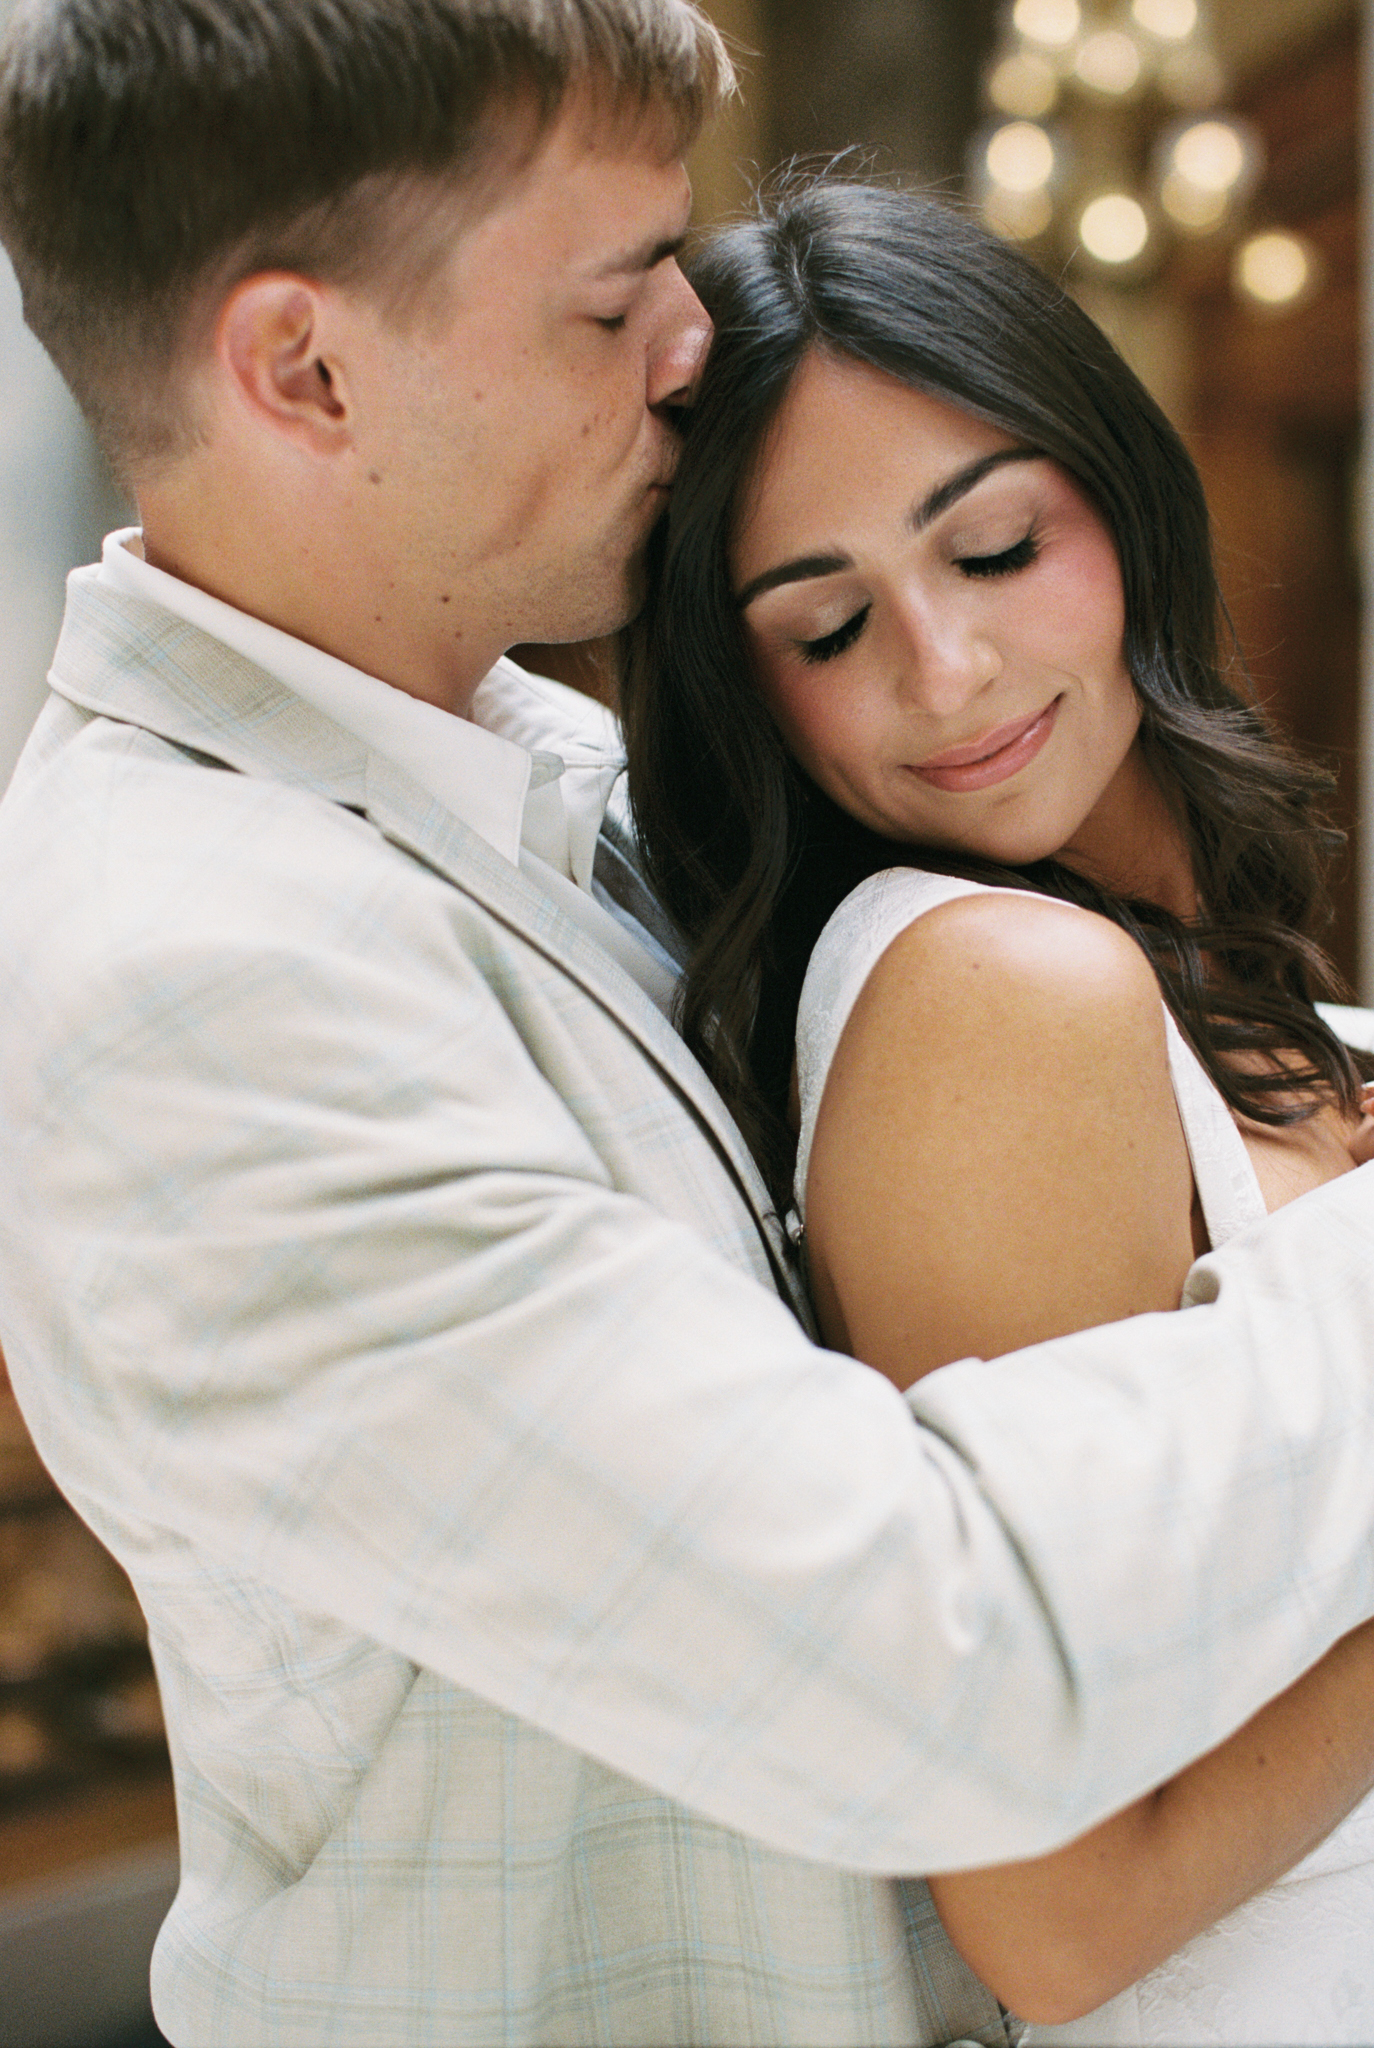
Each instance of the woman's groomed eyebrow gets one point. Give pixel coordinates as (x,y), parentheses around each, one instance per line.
(808,567)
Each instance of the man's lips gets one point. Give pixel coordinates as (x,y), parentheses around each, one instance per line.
(994,757)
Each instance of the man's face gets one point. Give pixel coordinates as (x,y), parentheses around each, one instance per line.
(515,445)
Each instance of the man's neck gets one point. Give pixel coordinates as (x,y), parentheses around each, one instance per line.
(349,603)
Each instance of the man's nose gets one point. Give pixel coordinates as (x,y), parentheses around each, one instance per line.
(676,361)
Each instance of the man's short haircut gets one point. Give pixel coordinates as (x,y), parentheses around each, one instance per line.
(154,152)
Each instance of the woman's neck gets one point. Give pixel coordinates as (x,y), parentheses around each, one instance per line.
(1132,843)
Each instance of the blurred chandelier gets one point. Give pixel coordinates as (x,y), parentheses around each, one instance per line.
(1107,146)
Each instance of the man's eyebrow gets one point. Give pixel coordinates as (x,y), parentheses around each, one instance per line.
(806,567)
(645,256)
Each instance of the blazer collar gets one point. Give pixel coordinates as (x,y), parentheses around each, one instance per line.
(140,665)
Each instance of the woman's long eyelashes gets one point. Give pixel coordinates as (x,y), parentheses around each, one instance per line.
(1005,564)
(835,643)
(1012,559)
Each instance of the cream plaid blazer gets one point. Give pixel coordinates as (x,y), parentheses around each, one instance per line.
(556,1647)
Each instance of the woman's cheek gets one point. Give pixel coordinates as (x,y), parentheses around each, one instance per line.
(808,712)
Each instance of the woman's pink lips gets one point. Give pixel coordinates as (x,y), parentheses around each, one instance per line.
(995,757)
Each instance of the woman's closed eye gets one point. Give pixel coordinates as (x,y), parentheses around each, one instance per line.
(1006,564)
(829,646)
(839,642)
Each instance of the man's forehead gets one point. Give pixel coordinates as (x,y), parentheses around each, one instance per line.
(626,211)
(586,205)
(624,162)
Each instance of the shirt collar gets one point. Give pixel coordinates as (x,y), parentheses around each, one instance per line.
(533,765)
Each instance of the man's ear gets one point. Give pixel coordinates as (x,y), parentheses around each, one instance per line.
(271,340)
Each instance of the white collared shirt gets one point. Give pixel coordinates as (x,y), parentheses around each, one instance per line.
(531,769)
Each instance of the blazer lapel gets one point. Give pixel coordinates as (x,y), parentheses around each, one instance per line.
(415,821)
(140,665)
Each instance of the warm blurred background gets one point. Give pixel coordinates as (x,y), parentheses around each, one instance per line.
(1195,171)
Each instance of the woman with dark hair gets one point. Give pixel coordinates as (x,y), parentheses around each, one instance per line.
(936,766)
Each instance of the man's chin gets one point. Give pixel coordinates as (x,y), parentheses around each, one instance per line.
(627,581)
(634,590)
(593,598)
(619,599)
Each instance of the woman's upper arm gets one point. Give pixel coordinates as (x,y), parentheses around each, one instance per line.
(998,1155)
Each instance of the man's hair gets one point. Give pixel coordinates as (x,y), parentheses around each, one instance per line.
(154,152)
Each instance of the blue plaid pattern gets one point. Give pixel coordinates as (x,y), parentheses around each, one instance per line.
(556,1646)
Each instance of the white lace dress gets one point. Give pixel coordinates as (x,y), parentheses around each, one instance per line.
(1295,1965)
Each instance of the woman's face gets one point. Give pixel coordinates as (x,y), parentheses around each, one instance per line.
(936,620)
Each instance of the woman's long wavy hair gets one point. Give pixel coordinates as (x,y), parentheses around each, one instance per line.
(751,858)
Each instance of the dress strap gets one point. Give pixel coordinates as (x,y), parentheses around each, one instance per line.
(1227,1184)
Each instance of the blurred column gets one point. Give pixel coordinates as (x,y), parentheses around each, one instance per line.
(1366,530)
(55,501)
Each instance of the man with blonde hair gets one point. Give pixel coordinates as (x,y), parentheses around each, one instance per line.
(556,1646)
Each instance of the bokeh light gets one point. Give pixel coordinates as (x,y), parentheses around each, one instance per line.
(1020,216)
(1109,62)
(1020,157)
(1173,21)
(1210,155)
(1024,84)
(1114,228)
(1052,22)
(1276,269)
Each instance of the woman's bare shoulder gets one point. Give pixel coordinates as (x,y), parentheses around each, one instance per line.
(1004,961)
(998,1155)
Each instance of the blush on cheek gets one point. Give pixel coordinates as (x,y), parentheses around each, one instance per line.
(1078,598)
(782,692)
(1100,583)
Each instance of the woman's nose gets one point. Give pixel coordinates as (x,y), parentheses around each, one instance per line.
(946,659)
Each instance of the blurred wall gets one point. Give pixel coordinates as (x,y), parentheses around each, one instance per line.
(730,157)
(1274,420)
(899,78)
(1250,33)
